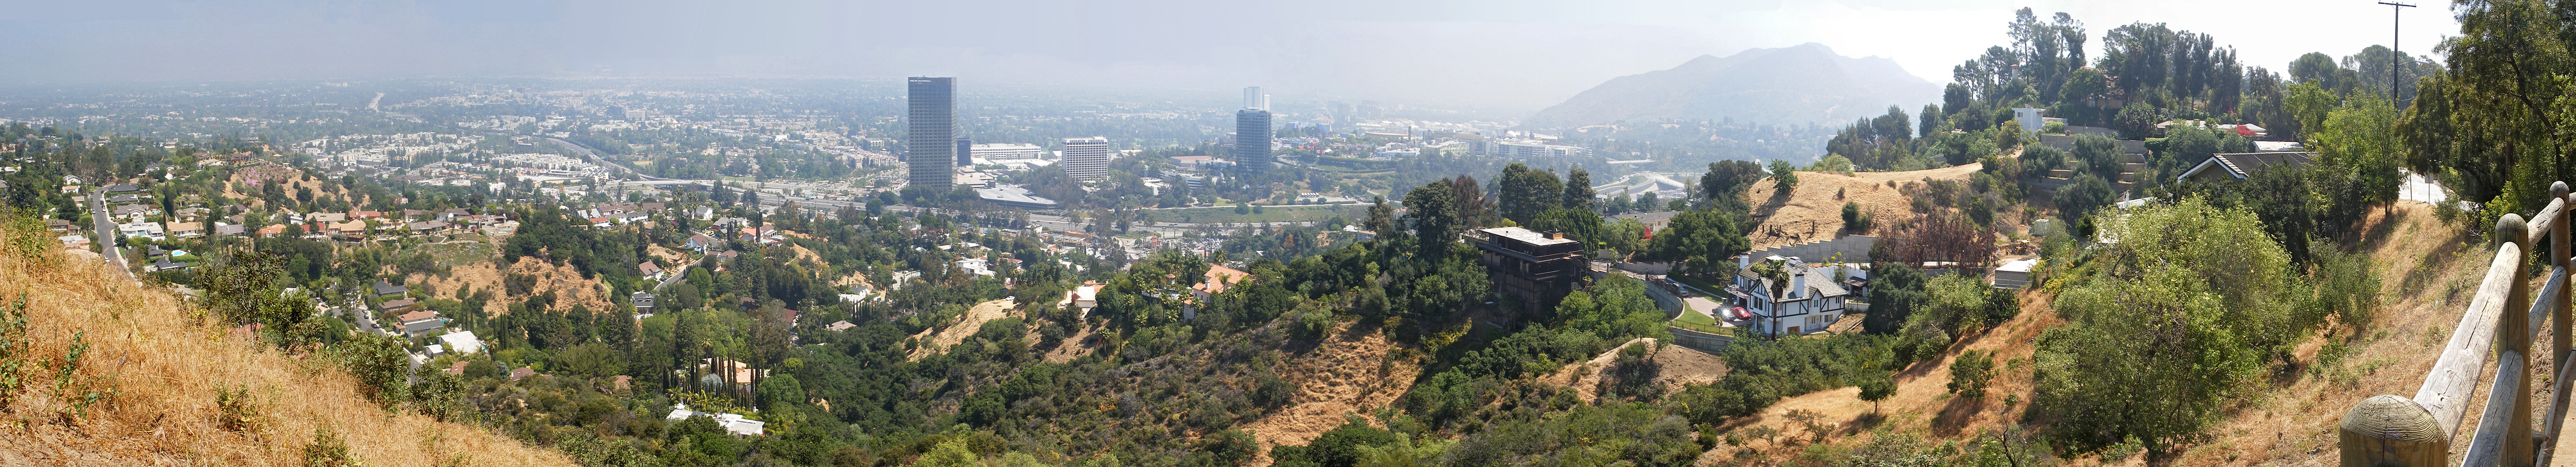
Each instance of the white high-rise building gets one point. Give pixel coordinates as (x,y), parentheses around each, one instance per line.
(1254,99)
(1086,159)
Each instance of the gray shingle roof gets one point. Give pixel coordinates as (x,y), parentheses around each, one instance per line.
(1817,280)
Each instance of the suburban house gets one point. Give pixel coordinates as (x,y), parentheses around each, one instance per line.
(461,342)
(2015,274)
(732,423)
(650,270)
(1809,303)
(1217,279)
(140,229)
(350,228)
(700,243)
(186,229)
(132,210)
(383,288)
(1536,268)
(643,301)
(399,305)
(164,264)
(2238,166)
(420,323)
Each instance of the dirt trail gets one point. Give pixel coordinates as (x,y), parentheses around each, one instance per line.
(973,321)
(1345,375)
(1814,210)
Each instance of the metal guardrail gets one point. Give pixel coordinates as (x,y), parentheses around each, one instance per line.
(2391,430)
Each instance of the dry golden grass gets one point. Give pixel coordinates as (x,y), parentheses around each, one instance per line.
(569,288)
(166,366)
(1675,369)
(1814,210)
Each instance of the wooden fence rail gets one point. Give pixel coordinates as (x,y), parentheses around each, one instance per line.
(2391,430)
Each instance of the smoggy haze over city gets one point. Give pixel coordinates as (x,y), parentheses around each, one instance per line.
(1512,55)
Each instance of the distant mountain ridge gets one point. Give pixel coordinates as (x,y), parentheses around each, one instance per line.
(1798,84)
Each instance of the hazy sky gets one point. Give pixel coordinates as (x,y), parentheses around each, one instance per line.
(1512,54)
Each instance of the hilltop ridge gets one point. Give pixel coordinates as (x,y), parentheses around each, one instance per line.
(1797,84)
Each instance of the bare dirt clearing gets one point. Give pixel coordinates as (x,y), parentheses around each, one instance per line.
(966,326)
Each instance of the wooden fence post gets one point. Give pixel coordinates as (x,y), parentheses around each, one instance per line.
(2387,430)
(2558,256)
(2513,342)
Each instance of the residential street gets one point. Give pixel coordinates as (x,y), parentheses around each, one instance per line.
(106,228)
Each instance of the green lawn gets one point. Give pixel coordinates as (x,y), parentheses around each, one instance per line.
(1699,322)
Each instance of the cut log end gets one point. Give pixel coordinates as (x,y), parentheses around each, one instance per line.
(2511,228)
(2393,418)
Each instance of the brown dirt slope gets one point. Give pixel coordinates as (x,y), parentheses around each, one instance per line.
(569,288)
(967,326)
(163,365)
(1814,210)
(1347,374)
(2428,272)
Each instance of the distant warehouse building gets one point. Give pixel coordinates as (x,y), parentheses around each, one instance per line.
(1527,148)
(1014,196)
(1008,151)
(1086,159)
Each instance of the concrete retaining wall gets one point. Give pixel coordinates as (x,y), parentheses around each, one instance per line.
(1700,341)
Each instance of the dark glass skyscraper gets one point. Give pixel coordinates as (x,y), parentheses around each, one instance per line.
(1252,139)
(930,150)
(965,152)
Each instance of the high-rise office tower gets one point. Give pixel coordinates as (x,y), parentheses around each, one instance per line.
(1252,139)
(1254,99)
(929,149)
(1086,159)
(965,152)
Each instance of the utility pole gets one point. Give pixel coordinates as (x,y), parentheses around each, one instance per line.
(2396,10)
